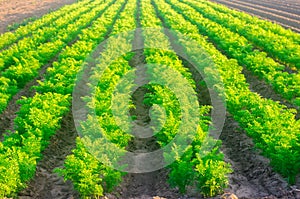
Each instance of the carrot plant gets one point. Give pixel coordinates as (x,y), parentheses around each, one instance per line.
(93,151)
(191,165)
(272,126)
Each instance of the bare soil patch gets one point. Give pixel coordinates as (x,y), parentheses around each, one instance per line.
(15,11)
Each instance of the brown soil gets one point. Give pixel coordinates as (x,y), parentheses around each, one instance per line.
(142,185)
(15,11)
(285,13)
(253,178)
(47,184)
(266,91)
(9,114)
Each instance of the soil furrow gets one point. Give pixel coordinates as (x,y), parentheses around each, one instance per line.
(280,7)
(253,177)
(46,184)
(266,91)
(285,22)
(10,113)
(49,185)
(141,185)
(261,10)
(285,3)
(267,9)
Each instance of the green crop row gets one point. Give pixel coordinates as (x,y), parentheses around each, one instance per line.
(37,120)
(27,68)
(279,47)
(24,49)
(92,173)
(267,25)
(272,126)
(237,47)
(207,173)
(40,116)
(9,38)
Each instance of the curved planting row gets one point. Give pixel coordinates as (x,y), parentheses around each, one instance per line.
(90,175)
(9,38)
(30,58)
(286,22)
(279,47)
(40,116)
(208,173)
(24,49)
(239,48)
(267,25)
(272,126)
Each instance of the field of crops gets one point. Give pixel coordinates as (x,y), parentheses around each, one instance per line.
(92,95)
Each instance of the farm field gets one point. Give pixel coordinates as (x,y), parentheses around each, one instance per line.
(93,93)
(285,13)
(14,11)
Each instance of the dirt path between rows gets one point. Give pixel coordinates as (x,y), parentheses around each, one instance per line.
(15,11)
(287,22)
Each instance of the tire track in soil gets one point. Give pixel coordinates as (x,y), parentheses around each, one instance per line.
(253,177)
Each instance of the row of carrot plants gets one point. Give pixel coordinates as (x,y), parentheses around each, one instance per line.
(92,172)
(39,117)
(8,38)
(207,173)
(273,128)
(239,48)
(31,58)
(22,49)
(279,47)
(267,25)
(86,177)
